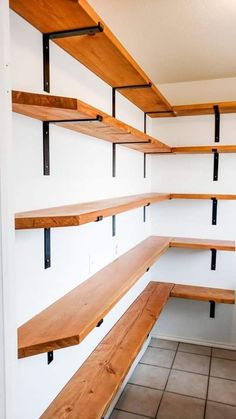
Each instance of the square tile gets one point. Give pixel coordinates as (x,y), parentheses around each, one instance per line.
(195,349)
(158,357)
(224,353)
(219,411)
(222,391)
(187,383)
(175,406)
(164,344)
(119,414)
(150,376)
(140,400)
(192,363)
(223,368)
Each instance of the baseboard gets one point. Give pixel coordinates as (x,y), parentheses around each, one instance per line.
(136,361)
(183,339)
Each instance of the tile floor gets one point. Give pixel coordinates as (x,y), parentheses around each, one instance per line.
(180,381)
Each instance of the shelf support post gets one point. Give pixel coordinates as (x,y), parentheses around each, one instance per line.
(46,149)
(47,248)
(144,212)
(216,164)
(114,154)
(214,211)
(132,86)
(113,225)
(50,357)
(213,259)
(212,309)
(217,123)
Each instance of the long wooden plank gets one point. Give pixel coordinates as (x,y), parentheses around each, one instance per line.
(224,197)
(102,53)
(69,320)
(204,149)
(189,243)
(203,293)
(198,109)
(56,108)
(90,391)
(77,214)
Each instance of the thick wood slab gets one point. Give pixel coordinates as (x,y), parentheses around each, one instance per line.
(102,53)
(203,293)
(187,243)
(69,320)
(224,197)
(198,109)
(204,149)
(74,215)
(56,108)
(84,397)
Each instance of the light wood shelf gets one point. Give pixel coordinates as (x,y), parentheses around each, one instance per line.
(70,319)
(188,243)
(56,108)
(217,295)
(198,109)
(102,53)
(78,214)
(224,197)
(204,149)
(107,366)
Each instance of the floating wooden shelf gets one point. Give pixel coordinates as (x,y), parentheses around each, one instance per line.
(73,112)
(204,149)
(69,320)
(198,109)
(97,381)
(186,243)
(224,197)
(203,294)
(74,215)
(102,53)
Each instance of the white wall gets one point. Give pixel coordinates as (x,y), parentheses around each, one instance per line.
(181,319)
(7,285)
(80,171)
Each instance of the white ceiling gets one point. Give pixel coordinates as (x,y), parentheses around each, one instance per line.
(175,40)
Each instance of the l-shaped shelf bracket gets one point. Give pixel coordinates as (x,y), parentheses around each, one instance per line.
(114,155)
(90,30)
(214,211)
(217,123)
(46,138)
(213,259)
(216,164)
(144,212)
(212,309)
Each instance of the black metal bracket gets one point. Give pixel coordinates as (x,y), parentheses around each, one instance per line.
(90,30)
(144,212)
(132,86)
(212,309)
(46,138)
(213,259)
(99,323)
(47,248)
(99,218)
(50,357)
(113,225)
(144,165)
(147,269)
(114,153)
(217,123)
(216,164)
(214,211)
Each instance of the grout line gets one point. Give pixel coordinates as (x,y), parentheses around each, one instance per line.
(193,353)
(208,382)
(142,385)
(132,413)
(226,404)
(184,395)
(167,380)
(191,372)
(152,365)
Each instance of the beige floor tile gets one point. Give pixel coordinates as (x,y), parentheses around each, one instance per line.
(220,411)
(224,353)
(192,363)
(140,400)
(149,376)
(187,383)
(158,357)
(194,349)
(223,368)
(164,344)
(119,414)
(175,406)
(222,391)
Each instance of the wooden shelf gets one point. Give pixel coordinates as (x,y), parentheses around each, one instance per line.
(77,214)
(102,53)
(198,109)
(56,108)
(97,381)
(187,243)
(224,197)
(217,295)
(69,320)
(204,149)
